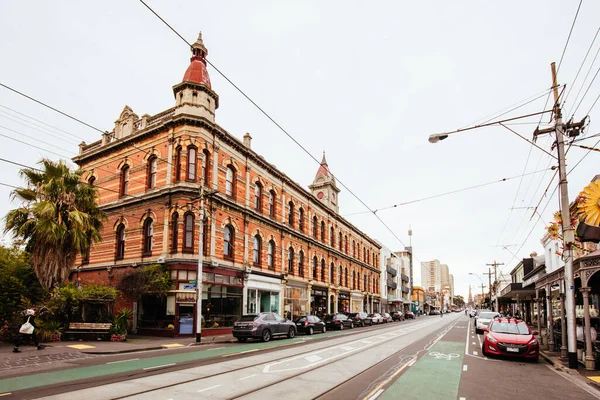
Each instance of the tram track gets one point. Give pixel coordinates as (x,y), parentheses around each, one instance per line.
(376,332)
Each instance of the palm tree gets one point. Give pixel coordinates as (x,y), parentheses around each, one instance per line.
(58,219)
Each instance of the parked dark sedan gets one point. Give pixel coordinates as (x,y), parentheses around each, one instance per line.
(263,326)
(360,319)
(310,324)
(409,315)
(338,321)
(398,316)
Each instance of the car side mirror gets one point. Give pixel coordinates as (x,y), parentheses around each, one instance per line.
(535,333)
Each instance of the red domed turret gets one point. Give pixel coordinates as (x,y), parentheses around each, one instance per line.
(197,72)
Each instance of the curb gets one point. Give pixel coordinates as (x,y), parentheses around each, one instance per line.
(554,363)
(99,352)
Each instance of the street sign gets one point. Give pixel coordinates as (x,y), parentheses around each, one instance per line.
(189,287)
(193,282)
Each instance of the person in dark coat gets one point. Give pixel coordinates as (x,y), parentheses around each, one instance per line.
(29,316)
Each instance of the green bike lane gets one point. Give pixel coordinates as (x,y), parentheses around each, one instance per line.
(436,375)
(13,384)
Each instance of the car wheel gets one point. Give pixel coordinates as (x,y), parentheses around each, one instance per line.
(292,333)
(310,330)
(242,339)
(266,335)
(363,324)
(341,327)
(483,352)
(351,325)
(324,329)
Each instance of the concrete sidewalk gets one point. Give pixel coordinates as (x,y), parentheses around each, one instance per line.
(591,378)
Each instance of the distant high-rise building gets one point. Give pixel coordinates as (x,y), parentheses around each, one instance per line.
(431,275)
(470,301)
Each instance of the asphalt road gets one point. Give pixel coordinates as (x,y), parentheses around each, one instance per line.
(428,358)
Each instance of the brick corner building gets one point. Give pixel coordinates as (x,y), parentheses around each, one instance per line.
(268,245)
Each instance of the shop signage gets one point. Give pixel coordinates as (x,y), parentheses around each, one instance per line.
(185,297)
(316,292)
(344,296)
(190,287)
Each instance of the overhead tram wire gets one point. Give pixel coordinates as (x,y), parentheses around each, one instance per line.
(449,193)
(43,123)
(569,37)
(26,123)
(580,67)
(273,121)
(587,90)
(584,81)
(32,145)
(10,186)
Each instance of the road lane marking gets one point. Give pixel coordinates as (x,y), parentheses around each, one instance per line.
(465,367)
(247,377)
(475,353)
(81,346)
(244,352)
(5,394)
(410,364)
(172,345)
(347,348)
(462,398)
(382,384)
(479,340)
(376,395)
(467,341)
(208,388)
(473,343)
(122,361)
(313,358)
(158,366)
(216,348)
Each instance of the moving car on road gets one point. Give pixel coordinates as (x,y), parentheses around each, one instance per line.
(484,318)
(338,321)
(263,326)
(510,337)
(310,324)
(360,319)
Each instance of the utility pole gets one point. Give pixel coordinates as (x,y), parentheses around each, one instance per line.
(567,229)
(496,283)
(489,274)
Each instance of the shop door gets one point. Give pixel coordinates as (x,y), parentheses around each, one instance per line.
(186,320)
(265,301)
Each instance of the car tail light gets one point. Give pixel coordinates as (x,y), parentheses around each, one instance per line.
(305,323)
(337,320)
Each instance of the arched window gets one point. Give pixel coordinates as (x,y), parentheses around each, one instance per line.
(258,197)
(188,236)
(257,249)
(174,232)
(230,182)
(353,280)
(191,163)
(148,233)
(178,164)
(291,213)
(92,180)
(340,241)
(315,222)
(346,243)
(323,231)
(301,219)
(301,263)
(323,270)
(271,255)
(364,254)
(346,277)
(272,199)
(353,249)
(228,242)
(205,233)
(124,184)
(151,172)
(315,271)
(290,268)
(206,167)
(120,250)
(331,278)
(340,276)
(331,237)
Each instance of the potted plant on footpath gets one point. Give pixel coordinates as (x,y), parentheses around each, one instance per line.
(120,325)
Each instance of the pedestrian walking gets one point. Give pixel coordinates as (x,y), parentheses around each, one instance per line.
(27,331)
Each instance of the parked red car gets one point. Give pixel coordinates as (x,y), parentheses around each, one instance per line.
(510,337)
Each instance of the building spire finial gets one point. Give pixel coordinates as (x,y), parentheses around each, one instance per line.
(324,160)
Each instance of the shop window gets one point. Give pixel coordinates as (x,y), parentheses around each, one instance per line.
(148,234)
(228,242)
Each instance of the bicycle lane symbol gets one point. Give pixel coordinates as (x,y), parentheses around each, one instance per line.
(442,356)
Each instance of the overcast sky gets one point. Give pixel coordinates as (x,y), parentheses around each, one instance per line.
(367,82)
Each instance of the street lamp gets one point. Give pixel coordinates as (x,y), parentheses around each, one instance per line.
(436,137)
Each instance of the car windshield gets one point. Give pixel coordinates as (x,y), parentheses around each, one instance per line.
(301,319)
(510,328)
(487,315)
(247,318)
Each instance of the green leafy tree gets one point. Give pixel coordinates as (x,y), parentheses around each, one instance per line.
(58,218)
(459,301)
